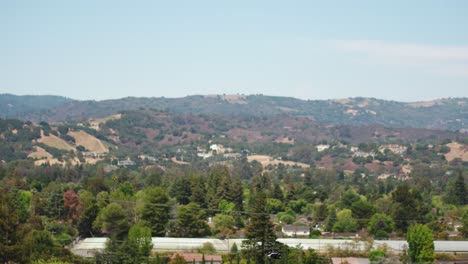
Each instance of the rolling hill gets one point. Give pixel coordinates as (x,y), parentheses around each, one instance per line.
(445,114)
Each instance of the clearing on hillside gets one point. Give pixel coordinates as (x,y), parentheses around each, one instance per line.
(268,160)
(94,123)
(457,150)
(40,153)
(88,141)
(54,142)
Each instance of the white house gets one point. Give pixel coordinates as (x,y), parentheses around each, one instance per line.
(322,147)
(293,231)
(214,147)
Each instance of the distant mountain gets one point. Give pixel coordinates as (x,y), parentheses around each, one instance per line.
(446,114)
(15,106)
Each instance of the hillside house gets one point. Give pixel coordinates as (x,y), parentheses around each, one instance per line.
(395,148)
(295,231)
(363,154)
(147,157)
(214,147)
(204,155)
(322,147)
(125,163)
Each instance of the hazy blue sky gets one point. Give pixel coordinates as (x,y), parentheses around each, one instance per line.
(96,49)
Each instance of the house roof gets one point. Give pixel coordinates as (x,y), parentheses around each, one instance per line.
(291,228)
(198,257)
(350,260)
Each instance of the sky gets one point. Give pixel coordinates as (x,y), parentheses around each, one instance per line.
(395,50)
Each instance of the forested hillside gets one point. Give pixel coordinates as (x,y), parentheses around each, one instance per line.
(447,114)
(148,172)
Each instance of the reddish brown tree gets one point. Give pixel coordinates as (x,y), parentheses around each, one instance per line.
(72,205)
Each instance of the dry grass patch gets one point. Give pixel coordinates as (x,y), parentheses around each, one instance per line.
(94,123)
(268,160)
(179,162)
(40,153)
(54,142)
(457,150)
(88,141)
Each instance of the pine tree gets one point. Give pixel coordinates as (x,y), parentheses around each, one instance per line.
(460,191)
(259,231)
(155,213)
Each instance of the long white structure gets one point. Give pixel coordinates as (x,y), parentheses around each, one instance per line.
(89,246)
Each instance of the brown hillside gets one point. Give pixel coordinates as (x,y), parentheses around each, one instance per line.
(88,141)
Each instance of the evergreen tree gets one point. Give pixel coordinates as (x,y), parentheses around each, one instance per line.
(190,222)
(277,192)
(261,238)
(408,207)
(237,192)
(460,190)
(464,228)
(198,190)
(457,192)
(89,214)
(181,190)
(155,212)
(112,220)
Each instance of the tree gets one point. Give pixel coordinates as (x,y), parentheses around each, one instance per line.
(9,225)
(89,213)
(345,222)
(259,231)
(112,220)
(380,225)
(40,245)
(420,244)
(155,212)
(457,192)
(224,225)
(331,219)
(135,248)
(464,228)
(362,211)
(190,222)
(408,207)
(348,198)
(72,205)
(181,190)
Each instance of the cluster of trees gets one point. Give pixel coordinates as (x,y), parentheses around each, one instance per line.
(52,205)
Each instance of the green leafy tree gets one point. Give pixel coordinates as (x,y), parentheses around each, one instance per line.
(155,212)
(137,247)
(345,222)
(408,207)
(420,244)
(40,245)
(112,220)
(190,222)
(274,206)
(88,215)
(331,219)
(381,225)
(348,198)
(464,228)
(362,210)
